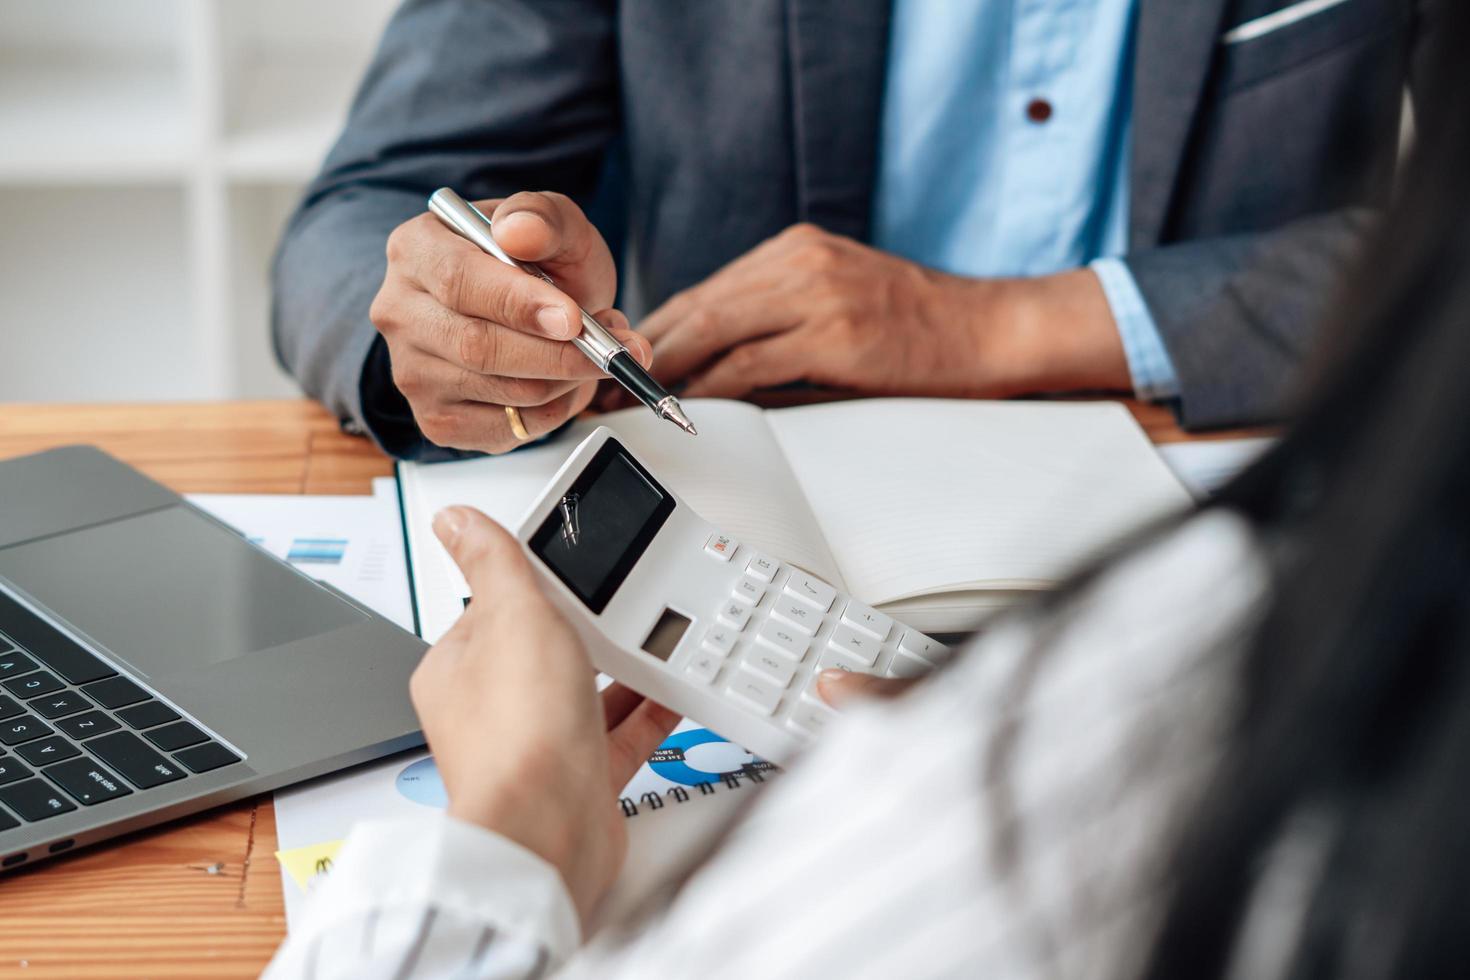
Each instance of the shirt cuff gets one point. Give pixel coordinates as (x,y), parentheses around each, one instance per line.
(443,863)
(1149,366)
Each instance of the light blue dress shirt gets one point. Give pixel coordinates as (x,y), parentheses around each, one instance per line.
(971,182)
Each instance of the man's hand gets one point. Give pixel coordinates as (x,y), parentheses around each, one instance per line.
(469,335)
(809,306)
(509,706)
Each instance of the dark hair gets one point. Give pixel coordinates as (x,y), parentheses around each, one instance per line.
(1355,709)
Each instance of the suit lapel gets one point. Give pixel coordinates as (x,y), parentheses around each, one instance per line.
(1175,48)
(839,52)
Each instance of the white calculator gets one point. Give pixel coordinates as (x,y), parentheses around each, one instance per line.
(684,614)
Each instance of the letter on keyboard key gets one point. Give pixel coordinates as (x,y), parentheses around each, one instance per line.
(835,657)
(734,614)
(924,647)
(704,666)
(797,615)
(35,800)
(86,781)
(135,760)
(811,590)
(769,666)
(763,567)
(867,619)
(14,731)
(719,640)
(751,692)
(859,645)
(87,725)
(784,640)
(748,590)
(12,770)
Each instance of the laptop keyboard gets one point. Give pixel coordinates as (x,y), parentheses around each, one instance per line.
(73,732)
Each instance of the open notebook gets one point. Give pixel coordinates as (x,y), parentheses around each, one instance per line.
(937,512)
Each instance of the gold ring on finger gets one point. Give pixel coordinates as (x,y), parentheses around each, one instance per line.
(517,424)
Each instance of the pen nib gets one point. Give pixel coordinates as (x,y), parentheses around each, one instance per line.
(669,409)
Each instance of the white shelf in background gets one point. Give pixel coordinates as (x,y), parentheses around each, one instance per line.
(95,122)
(286,118)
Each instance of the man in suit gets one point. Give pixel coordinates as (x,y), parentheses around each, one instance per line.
(968,198)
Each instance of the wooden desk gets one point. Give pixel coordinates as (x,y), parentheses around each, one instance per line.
(200,897)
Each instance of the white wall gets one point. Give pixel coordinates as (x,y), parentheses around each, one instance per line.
(149,152)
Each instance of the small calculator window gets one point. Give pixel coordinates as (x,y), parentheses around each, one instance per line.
(602,525)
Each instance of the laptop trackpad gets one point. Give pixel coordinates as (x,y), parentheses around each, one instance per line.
(172,590)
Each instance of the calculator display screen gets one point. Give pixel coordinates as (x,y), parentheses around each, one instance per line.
(602,525)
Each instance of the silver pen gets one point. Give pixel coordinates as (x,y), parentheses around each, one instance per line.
(601,347)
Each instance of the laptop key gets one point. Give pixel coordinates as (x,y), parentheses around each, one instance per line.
(87,725)
(9,707)
(35,799)
(15,663)
(176,736)
(14,731)
(115,692)
(7,822)
(12,770)
(33,685)
(135,760)
(203,758)
(148,714)
(86,781)
(49,645)
(60,705)
(44,751)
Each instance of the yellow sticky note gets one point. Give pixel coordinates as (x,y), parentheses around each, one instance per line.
(304,864)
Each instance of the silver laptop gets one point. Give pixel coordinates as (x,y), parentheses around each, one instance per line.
(154,663)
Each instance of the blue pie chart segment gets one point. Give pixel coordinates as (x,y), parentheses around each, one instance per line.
(698,756)
(420,783)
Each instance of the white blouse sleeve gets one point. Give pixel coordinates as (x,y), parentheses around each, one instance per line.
(436,898)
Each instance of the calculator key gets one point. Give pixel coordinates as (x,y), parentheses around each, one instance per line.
(771,666)
(763,567)
(869,620)
(138,763)
(811,590)
(860,645)
(722,546)
(35,799)
(842,660)
(720,640)
(87,725)
(735,615)
(924,647)
(60,705)
(14,731)
(810,718)
(904,665)
(9,707)
(180,734)
(14,663)
(797,615)
(115,692)
(203,758)
(784,640)
(44,751)
(12,770)
(86,781)
(704,666)
(749,590)
(34,684)
(148,714)
(751,692)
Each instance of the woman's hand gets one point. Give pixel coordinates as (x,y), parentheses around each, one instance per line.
(508,702)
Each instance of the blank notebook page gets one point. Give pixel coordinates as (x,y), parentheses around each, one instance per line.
(918,496)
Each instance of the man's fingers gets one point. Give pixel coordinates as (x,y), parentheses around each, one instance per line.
(490,558)
(631,742)
(758,364)
(705,333)
(840,687)
(549,229)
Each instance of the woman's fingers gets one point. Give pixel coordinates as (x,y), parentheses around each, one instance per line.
(841,687)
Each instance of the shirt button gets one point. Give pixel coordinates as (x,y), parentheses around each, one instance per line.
(1038,110)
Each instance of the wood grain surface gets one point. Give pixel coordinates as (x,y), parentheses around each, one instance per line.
(200,897)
